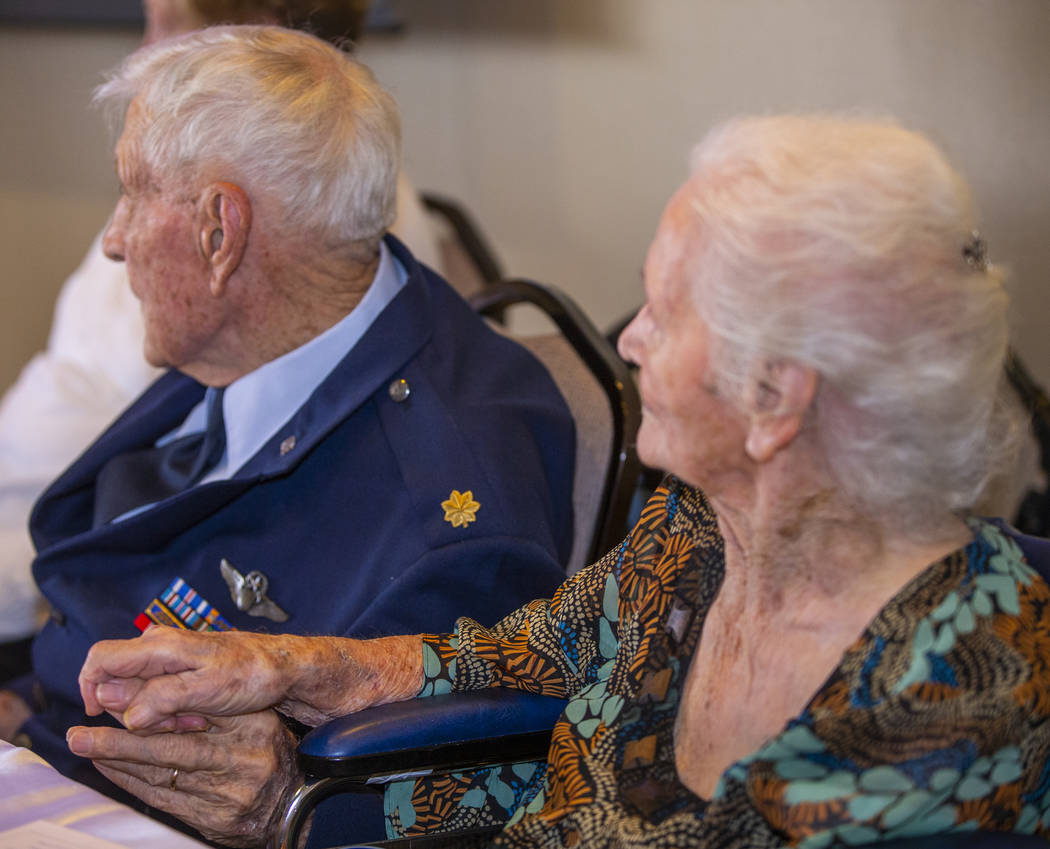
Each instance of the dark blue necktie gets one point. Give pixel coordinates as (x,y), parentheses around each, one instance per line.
(142,477)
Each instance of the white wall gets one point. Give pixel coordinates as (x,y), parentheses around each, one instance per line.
(565,124)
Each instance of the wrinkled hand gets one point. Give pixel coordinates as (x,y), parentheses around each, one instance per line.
(13,712)
(171,680)
(233,781)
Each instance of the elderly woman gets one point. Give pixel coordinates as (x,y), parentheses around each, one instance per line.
(806,639)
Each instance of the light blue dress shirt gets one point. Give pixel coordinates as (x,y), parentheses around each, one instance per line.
(256,405)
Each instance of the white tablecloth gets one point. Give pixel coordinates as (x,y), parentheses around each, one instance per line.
(31,790)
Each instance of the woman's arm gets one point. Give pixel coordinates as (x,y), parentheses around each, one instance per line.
(551,647)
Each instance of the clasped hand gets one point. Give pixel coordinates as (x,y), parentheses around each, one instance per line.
(200,706)
(233,780)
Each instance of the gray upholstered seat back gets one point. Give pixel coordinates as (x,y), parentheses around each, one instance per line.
(589,406)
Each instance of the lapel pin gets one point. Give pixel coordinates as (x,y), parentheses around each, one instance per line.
(460,508)
(249,592)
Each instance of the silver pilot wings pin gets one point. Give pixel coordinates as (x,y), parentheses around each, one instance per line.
(249,592)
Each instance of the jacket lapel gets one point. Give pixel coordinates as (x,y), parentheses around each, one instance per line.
(68,503)
(398,332)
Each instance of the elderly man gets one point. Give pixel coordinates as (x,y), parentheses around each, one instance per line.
(93,367)
(342,446)
(823,647)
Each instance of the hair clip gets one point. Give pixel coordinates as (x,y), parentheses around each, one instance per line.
(975,252)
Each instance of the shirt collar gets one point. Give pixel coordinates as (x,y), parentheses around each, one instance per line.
(257,404)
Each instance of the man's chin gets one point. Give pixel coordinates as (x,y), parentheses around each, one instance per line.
(155,359)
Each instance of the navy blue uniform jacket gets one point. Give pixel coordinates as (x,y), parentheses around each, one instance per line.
(347,525)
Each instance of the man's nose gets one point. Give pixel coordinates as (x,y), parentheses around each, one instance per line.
(113,238)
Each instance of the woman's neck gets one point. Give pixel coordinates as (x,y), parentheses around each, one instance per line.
(806,572)
(795,543)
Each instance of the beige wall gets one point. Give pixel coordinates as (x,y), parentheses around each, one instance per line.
(565,124)
(56,173)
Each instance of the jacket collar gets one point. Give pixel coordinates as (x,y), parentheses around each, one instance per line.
(396,335)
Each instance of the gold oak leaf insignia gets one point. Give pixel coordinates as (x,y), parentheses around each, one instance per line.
(460,508)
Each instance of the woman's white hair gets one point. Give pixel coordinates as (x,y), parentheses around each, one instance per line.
(848,246)
(276,111)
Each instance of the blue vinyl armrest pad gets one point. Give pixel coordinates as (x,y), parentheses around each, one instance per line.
(432,722)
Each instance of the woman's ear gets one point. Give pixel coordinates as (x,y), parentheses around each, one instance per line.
(224,219)
(777,399)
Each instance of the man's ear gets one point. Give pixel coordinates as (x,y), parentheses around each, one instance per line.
(224,219)
(778,398)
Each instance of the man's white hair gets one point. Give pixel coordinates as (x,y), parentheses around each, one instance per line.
(276,111)
(847,245)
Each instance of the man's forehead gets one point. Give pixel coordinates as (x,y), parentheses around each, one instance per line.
(129,162)
(135,119)
(126,156)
